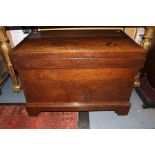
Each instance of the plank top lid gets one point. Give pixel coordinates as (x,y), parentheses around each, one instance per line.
(79,43)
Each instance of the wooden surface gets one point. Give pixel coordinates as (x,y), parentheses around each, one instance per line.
(130,31)
(77,70)
(63,42)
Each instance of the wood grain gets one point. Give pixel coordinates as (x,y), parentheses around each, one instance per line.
(79,70)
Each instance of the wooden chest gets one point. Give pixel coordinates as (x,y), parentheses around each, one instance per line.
(78,70)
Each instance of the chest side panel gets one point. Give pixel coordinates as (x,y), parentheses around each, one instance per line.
(81,85)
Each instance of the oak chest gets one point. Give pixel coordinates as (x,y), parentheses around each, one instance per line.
(77,70)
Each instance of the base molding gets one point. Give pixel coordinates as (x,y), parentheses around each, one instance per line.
(121,108)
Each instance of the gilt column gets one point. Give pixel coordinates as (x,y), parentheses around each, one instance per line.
(148,36)
(5,49)
(146,44)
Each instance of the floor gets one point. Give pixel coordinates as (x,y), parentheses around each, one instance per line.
(9,97)
(137,118)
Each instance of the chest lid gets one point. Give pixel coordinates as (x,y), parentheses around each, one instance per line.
(78,44)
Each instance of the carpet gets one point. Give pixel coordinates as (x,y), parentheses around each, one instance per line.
(16,117)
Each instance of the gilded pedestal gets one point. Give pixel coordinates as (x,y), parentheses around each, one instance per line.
(5,48)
